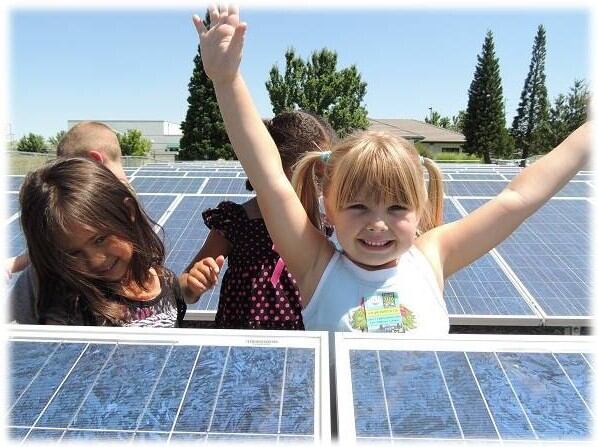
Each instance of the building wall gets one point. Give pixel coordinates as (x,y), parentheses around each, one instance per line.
(436,148)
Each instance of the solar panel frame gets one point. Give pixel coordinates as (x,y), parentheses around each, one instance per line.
(481,402)
(307,353)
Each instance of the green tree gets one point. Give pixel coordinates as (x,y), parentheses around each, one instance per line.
(132,142)
(318,86)
(530,125)
(434,118)
(484,124)
(204,136)
(455,123)
(32,143)
(568,112)
(53,141)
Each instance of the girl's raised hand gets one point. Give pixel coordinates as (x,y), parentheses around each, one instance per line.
(222,45)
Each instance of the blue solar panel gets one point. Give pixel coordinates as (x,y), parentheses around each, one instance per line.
(576,189)
(16,242)
(482,293)
(212,387)
(14,182)
(160,173)
(167,185)
(225,186)
(550,254)
(12,204)
(488,390)
(467,176)
(154,205)
(473,188)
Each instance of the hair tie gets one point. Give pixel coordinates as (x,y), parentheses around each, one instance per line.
(325,156)
(422,159)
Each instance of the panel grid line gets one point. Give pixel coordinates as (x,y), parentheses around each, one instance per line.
(218,393)
(384,394)
(151,394)
(448,392)
(516,396)
(68,426)
(284,377)
(176,416)
(475,378)
(34,378)
(588,407)
(57,390)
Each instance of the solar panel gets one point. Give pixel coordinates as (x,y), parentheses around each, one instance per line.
(474,388)
(225,186)
(155,205)
(473,188)
(550,256)
(468,176)
(575,189)
(12,204)
(168,185)
(16,242)
(14,182)
(482,293)
(161,173)
(127,384)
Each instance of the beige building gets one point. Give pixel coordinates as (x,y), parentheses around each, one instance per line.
(436,139)
(164,135)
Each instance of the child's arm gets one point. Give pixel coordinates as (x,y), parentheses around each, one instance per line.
(287,221)
(462,242)
(202,273)
(16,264)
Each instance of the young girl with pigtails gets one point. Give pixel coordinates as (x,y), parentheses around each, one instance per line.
(395,256)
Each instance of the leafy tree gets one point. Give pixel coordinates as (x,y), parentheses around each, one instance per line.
(32,143)
(568,112)
(434,119)
(484,124)
(317,86)
(455,123)
(204,136)
(530,125)
(56,139)
(132,142)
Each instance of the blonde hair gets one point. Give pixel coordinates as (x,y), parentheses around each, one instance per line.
(385,167)
(89,136)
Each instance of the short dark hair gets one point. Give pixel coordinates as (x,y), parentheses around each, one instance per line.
(297,132)
(79,191)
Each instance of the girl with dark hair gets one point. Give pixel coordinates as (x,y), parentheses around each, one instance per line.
(97,258)
(257,291)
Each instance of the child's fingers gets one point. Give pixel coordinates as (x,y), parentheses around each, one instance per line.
(199,25)
(214,269)
(195,286)
(220,261)
(236,42)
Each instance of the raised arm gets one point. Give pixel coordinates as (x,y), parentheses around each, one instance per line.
(462,242)
(288,224)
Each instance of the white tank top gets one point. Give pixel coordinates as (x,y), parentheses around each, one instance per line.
(348,298)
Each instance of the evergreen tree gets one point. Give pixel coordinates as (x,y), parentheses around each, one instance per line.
(530,126)
(32,143)
(484,124)
(317,86)
(568,112)
(204,136)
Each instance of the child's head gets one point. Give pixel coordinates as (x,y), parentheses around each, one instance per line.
(86,233)
(95,140)
(371,167)
(297,132)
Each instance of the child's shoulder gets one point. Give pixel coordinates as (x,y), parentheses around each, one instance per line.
(224,213)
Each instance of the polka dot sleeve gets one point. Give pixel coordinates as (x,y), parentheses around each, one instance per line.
(223,218)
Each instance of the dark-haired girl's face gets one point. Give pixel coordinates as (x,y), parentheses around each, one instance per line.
(100,255)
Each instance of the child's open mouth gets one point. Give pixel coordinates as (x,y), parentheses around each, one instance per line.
(375,245)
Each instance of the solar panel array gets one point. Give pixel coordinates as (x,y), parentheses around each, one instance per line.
(539,276)
(164,385)
(483,389)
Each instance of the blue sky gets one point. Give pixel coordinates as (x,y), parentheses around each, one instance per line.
(135,64)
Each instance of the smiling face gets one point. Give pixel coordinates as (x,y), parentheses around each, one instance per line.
(374,234)
(103,256)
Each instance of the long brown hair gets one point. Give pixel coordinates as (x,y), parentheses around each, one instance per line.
(70,191)
(385,167)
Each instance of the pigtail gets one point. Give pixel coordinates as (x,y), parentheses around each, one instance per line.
(432,216)
(305,181)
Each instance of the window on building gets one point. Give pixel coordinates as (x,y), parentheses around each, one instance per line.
(170,148)
(451,149)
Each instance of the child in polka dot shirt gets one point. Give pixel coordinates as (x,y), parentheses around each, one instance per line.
(257,291)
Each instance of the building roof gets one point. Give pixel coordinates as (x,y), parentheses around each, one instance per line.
(416,130)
